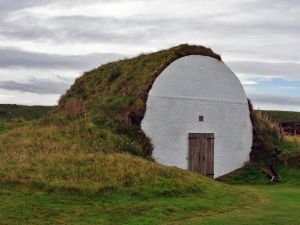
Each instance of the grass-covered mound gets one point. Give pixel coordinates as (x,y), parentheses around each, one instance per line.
(58,163)
(114,95)
(56,158)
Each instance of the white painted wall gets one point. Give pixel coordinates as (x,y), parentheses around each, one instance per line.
(189,87)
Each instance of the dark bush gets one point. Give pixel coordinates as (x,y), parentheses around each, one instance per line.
(114,74)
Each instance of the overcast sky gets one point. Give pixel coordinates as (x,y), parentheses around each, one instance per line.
(45,45)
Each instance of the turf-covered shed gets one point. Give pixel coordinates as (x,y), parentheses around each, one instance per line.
(181,106)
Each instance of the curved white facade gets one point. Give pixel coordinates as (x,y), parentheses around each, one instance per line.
(195,86)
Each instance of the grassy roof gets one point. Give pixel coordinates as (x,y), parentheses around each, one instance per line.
(130,77)
(114,95)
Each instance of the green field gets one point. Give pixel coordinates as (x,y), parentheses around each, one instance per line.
(22,112)
(283,116)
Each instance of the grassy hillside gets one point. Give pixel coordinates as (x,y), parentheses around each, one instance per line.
(283,116)
(22,112)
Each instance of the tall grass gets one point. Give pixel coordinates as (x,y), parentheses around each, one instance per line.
(267,138)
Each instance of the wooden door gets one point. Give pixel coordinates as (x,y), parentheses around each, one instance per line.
(201,153)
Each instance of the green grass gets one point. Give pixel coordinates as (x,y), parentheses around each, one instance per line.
(250,174)
(221,204)
(22,206)
(279,205)
(5,126)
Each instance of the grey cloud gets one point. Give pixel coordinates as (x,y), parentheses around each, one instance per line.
(104,28)
(264,36)
(13,57)
(286,70)
(95,29)
(14,5)
(39,86)
(259,5)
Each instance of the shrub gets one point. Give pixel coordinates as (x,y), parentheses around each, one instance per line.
(114,74)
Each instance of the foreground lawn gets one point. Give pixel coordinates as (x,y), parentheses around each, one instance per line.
(24,206)
(280,205)
(276,204)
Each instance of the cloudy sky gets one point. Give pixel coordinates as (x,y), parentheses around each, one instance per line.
(46,44)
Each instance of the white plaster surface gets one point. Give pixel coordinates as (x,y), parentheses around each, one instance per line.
(189,87)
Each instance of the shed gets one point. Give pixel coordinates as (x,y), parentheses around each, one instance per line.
(197,117)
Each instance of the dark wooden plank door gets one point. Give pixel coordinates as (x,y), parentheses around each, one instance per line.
(201,153)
